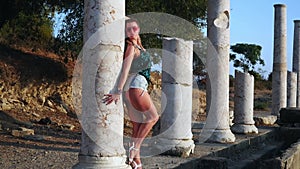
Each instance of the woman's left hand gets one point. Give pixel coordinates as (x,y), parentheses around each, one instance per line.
(109,98)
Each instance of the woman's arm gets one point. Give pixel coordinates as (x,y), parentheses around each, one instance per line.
(129,55)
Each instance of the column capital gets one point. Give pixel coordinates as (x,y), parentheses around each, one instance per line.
(297,21)
(280,5)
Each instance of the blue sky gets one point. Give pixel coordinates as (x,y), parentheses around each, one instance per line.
(252,21)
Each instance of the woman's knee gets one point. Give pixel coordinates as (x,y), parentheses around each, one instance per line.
(155,119)
(152,117)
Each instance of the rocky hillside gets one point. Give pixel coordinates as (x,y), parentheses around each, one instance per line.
(35,86)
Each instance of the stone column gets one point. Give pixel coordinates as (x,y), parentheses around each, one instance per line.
(217,124)
(243,104)
(177,82)
(296,58)
(291,89)
(102,125)
(279,74)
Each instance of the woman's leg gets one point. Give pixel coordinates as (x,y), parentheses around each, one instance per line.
(136,119)
(142,102)
(146,126)
(135,116)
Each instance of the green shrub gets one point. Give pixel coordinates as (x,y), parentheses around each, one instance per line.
(260,105)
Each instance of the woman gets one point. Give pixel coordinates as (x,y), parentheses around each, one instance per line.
(134,82)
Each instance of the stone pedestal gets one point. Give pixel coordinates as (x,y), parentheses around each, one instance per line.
(217,124)
(243,104)
(291,89)
(100,63)
(176,119)
(296,58)
(279,74)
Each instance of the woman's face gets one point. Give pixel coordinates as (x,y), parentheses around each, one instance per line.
(132,30)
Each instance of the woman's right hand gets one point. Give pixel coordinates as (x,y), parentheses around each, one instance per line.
(109,98)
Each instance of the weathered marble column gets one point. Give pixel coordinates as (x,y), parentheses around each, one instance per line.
(279,74)
(296,58)
(243,104)
(291,89)
(102,125)
(217,124)
(177,82)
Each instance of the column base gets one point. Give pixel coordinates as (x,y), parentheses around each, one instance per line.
(181,148)
(244,128)
(89,162)
(217,136)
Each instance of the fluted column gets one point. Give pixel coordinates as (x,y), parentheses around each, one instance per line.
(101,60)
(217,124)
(177,83)
(296,58)
(243,104)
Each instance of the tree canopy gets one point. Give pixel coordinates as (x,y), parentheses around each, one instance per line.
(36,16)
(246,57)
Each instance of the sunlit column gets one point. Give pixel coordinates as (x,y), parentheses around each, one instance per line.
(217,64)
(102,125)
(279,74)
(291,89)
(243,104)
(177,83)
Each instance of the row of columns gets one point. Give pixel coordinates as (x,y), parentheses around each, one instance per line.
(102,138)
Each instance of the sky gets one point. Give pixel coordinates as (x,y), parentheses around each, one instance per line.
(252,21)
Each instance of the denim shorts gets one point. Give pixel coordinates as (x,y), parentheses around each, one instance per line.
(136,81)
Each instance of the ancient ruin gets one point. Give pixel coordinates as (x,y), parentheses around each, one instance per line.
(243,104)
(279,73)
(291,89)
(102,125)
(177,83)
(217,64)
(296,57)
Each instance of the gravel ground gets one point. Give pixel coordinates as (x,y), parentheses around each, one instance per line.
(28,158)
(33,153)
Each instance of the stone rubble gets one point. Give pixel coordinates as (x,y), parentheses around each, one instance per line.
(22,132)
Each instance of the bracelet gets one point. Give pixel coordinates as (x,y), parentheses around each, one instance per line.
(119,91)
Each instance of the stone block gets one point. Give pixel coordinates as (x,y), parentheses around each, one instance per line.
(291,158)
(290,115)
(265,120)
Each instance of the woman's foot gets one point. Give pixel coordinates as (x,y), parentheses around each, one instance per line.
(136,164)
(133,152)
